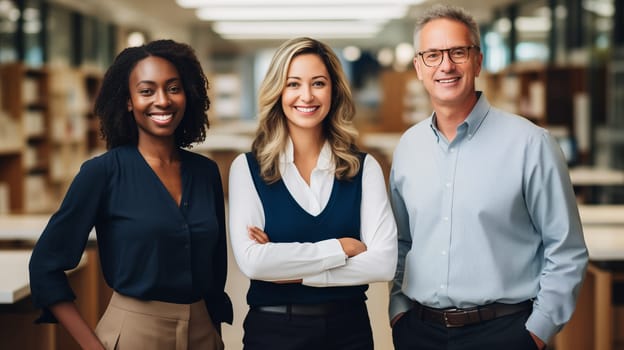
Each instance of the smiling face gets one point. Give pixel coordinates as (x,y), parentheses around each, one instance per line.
(306,98)
(449,84)
(157,98)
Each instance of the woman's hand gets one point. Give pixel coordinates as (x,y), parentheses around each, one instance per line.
(261,237)
(67,314)
(352,246)
(257,234)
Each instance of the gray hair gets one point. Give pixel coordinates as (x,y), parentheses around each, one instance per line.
(455,13)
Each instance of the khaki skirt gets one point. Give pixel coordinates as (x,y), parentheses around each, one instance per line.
(132,324)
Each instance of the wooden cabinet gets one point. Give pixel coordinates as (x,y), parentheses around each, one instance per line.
(17,327)
(69,109)
(25,167)
(404,101)
(568,100)
(597,322)
(92,81)
(46,116)
(545,94)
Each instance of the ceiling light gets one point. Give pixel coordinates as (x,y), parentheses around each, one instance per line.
(354,3)
(31,14)
(283,30)
(532,24)
(292,13)
(351,53)
(385,57)
(404,53)
(286,36)
(135,39)
(503,25)
(601,8)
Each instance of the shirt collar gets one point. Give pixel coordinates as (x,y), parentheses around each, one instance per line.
(474,119)
(477,115)
(324,162)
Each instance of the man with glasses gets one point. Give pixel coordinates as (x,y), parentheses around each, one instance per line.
(491,250)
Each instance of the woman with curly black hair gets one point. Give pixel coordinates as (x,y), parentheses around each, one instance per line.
(157,209)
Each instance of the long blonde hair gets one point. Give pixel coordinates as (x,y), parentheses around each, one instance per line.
(338,128)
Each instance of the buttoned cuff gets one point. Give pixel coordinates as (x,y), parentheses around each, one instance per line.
(336,257)
(540,325)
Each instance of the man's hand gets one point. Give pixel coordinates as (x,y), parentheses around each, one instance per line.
(396,319)
(540,344)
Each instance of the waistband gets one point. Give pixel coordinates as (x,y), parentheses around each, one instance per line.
(157,308)
(463,317)
(319,309)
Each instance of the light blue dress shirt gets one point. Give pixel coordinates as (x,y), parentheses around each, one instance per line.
(489,217)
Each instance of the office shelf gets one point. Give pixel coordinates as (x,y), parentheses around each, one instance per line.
(46,116)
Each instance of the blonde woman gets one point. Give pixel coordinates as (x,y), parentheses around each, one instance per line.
(310,219)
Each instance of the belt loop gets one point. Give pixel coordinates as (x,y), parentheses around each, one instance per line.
(486,313)
(289,311)
(419,311)
(479,318)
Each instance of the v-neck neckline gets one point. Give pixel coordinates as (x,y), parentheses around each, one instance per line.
(162,186)
(296,204)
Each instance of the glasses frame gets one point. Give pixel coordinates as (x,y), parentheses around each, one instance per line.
(448,53)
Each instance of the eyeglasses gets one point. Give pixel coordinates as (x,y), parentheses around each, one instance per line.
(457,55)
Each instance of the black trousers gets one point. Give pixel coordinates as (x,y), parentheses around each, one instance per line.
(505,333)
(346,330)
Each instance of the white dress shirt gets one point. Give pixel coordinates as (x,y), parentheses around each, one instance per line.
(323,263)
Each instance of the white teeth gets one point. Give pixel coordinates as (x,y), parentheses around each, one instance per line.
(447,80)
(161,117)
(306,109)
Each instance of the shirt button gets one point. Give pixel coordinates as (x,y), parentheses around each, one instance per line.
(185,226)
(444,252)
(442,286)
(445,218)
(185,204)
(451,150)
(448,184)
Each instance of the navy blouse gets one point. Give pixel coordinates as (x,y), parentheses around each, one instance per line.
(150,248)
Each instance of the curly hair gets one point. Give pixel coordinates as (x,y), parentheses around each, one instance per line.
(116,124)
(338,128)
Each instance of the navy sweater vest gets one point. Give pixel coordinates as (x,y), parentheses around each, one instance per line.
(286,221)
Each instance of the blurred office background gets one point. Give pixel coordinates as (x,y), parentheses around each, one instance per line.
(559,63)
